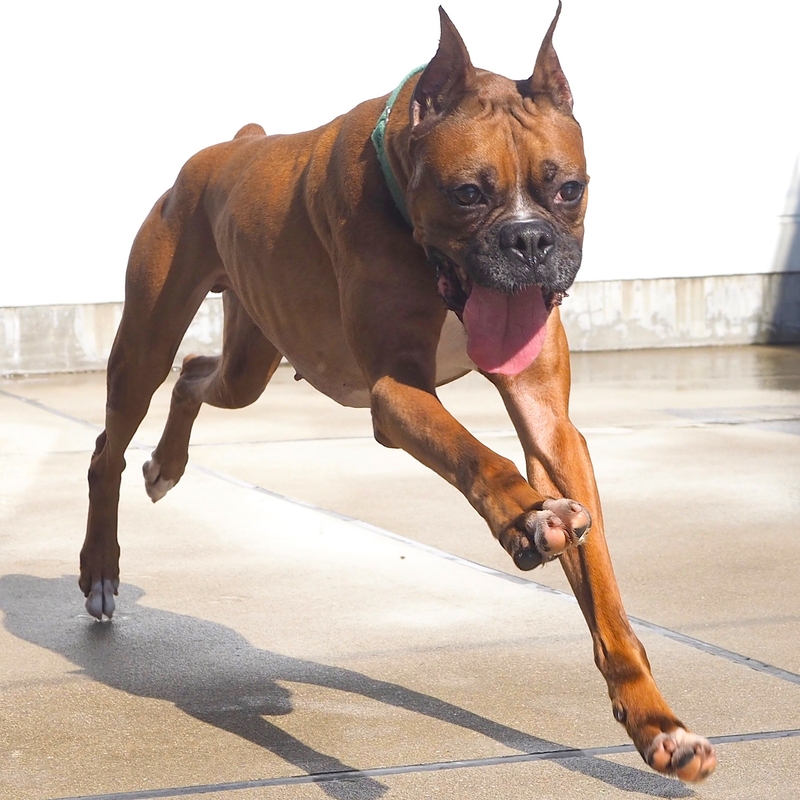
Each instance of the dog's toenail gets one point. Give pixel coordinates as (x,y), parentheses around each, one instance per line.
(527,559)
(683,759)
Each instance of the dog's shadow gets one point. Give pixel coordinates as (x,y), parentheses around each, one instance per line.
(212,673)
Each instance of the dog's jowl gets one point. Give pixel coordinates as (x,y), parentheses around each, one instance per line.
(422,235)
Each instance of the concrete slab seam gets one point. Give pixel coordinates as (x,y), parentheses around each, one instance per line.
(682,638)
(50,410)
(405,769)
(715,650)
(698,644)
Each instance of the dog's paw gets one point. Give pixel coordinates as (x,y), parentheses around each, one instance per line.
(155,486)
(100,600)
(544,535)
(682,754)
(574,518)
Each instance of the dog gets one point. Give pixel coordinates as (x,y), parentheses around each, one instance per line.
(402,245)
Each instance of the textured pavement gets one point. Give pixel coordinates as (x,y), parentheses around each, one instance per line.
(310,615)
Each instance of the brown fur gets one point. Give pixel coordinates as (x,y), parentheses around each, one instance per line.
(316,264)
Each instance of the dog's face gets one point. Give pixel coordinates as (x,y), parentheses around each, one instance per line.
(497,194)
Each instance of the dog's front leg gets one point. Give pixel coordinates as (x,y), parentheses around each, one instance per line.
(395,342)
(559,465)
(409,416)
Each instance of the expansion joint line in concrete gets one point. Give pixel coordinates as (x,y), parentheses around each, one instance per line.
(406,769)
(690,641)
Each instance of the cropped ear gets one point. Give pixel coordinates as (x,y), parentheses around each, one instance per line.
(446,79)
(548,79)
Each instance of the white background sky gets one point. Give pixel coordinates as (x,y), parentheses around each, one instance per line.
(690,111)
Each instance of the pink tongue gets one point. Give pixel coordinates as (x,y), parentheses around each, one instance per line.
(505,332)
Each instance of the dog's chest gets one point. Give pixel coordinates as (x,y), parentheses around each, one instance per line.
(452,360)
(343,382)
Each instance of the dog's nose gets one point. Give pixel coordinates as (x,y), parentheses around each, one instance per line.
(529,241)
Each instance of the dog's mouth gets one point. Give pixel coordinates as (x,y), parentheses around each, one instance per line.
(455,285)
(505,330)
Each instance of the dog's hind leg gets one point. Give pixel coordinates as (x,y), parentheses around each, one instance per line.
(232,380)
(172,266)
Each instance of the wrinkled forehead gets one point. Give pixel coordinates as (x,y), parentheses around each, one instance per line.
(502,136)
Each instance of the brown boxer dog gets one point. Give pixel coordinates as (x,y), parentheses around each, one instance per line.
(390,251)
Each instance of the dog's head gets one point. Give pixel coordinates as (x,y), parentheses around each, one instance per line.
(497,195)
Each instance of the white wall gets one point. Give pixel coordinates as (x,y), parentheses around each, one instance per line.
(689,109)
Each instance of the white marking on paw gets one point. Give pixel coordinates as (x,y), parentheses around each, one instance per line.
(549,540)
(101,599)
(688,756)
(158,489)
(94,602)
(574,515)
(155,486)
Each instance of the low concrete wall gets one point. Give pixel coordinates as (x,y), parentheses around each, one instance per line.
(78,338)
(602,315)
(681,312)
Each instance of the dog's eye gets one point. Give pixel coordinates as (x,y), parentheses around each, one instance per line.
(467,195)
(570,192)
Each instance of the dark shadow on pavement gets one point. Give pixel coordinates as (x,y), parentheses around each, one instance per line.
(785,325)
(212,673)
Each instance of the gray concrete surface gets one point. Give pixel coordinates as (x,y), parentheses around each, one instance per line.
(370,626)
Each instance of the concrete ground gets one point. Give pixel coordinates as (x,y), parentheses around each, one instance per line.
(308,614)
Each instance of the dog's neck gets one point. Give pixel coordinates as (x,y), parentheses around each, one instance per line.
(382,148)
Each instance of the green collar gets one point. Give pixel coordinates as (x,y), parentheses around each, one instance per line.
(378,139)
